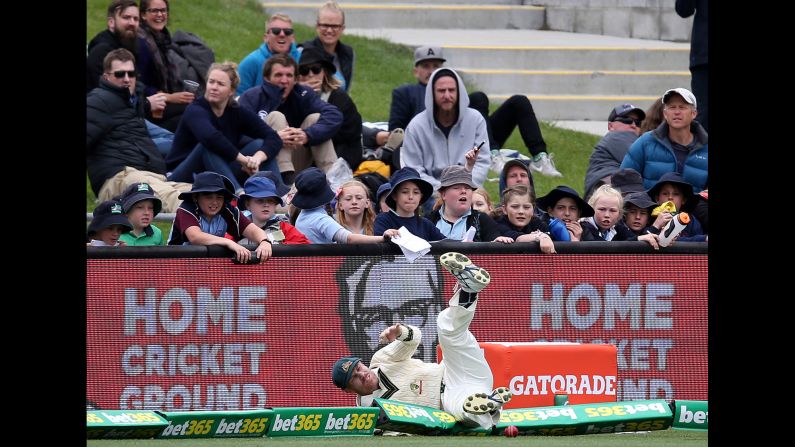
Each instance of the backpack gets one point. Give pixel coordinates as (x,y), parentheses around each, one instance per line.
(191,57)
(372,180)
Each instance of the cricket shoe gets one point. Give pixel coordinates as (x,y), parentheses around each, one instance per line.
(470,277)
(482,403)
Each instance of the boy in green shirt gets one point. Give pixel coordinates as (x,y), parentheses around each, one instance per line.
(141,206)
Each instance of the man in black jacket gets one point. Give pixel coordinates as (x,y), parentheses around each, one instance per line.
(119,150)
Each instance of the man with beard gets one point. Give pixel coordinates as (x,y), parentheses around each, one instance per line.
(123,19)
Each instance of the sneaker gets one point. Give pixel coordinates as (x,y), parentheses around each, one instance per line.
(395,139)
(545,166)
(482,403)
(470,277)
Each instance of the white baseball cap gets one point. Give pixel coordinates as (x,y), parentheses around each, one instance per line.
(683,92)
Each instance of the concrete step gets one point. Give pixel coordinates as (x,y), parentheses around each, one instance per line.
(568,58)
(578,107)
(344,3)
(574,82)
(419,15)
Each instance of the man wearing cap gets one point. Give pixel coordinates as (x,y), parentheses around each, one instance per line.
(623,128)
(678,145)
(456,215)
(278,39)
(460,385)
(441,135)
(305,123)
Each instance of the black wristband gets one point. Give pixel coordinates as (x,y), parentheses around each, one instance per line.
(265,240)
(387,238)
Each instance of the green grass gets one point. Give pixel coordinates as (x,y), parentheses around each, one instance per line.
(677,438)
(233,28)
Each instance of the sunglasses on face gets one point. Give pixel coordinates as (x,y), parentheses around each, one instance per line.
(277,31)
(305,69)
(627,120)
(119,74)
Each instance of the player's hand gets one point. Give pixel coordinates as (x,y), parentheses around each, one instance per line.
(389,334)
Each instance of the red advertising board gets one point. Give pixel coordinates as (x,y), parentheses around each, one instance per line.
(195,334)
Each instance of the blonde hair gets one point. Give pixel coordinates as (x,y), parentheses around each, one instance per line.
(278,16)
(486,197)
(368,218)
(607,191)
(331,6)
(228,67)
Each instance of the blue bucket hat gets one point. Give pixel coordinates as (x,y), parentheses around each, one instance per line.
(281,188)
(209,181)
(259,188)
(560,192)
(672,177)
(386,188)
(405,175)
(342,371)
(107,213)
(312,189)
(137,192)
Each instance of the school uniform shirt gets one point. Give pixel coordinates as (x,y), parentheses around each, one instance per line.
(418,226)
(318,226)
(150,236)
(188,215)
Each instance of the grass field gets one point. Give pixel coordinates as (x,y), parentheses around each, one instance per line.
(678,438)
(233,28)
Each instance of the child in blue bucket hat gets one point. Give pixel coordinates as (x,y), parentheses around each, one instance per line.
(206,217)
(261,198)
(312,215)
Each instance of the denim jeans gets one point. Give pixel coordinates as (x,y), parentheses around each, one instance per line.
(162,137)
(201,159)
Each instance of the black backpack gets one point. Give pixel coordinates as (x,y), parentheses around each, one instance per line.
(191,57)
(372,180)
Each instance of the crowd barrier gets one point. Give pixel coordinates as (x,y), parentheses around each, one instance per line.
(185,328)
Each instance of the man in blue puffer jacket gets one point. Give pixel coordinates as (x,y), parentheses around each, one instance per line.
(678,145)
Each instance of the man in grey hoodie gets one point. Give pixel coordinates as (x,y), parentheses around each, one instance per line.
(441,135)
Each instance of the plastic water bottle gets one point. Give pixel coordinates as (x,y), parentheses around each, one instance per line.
(673,228)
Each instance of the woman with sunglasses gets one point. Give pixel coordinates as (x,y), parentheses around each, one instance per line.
(157,72)
(316,71)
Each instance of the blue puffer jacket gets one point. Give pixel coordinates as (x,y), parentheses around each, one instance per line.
(653,156)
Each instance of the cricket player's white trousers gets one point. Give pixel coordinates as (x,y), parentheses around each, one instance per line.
(465,368)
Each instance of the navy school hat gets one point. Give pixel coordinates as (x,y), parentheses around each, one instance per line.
(627,180)
(385,188)
(560,192)
(639,199)
(312,189)
(342,371)
(209,181)
(259,188)
(281,188)
(108,213)
(137,192)
(404,175)
(672,177)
